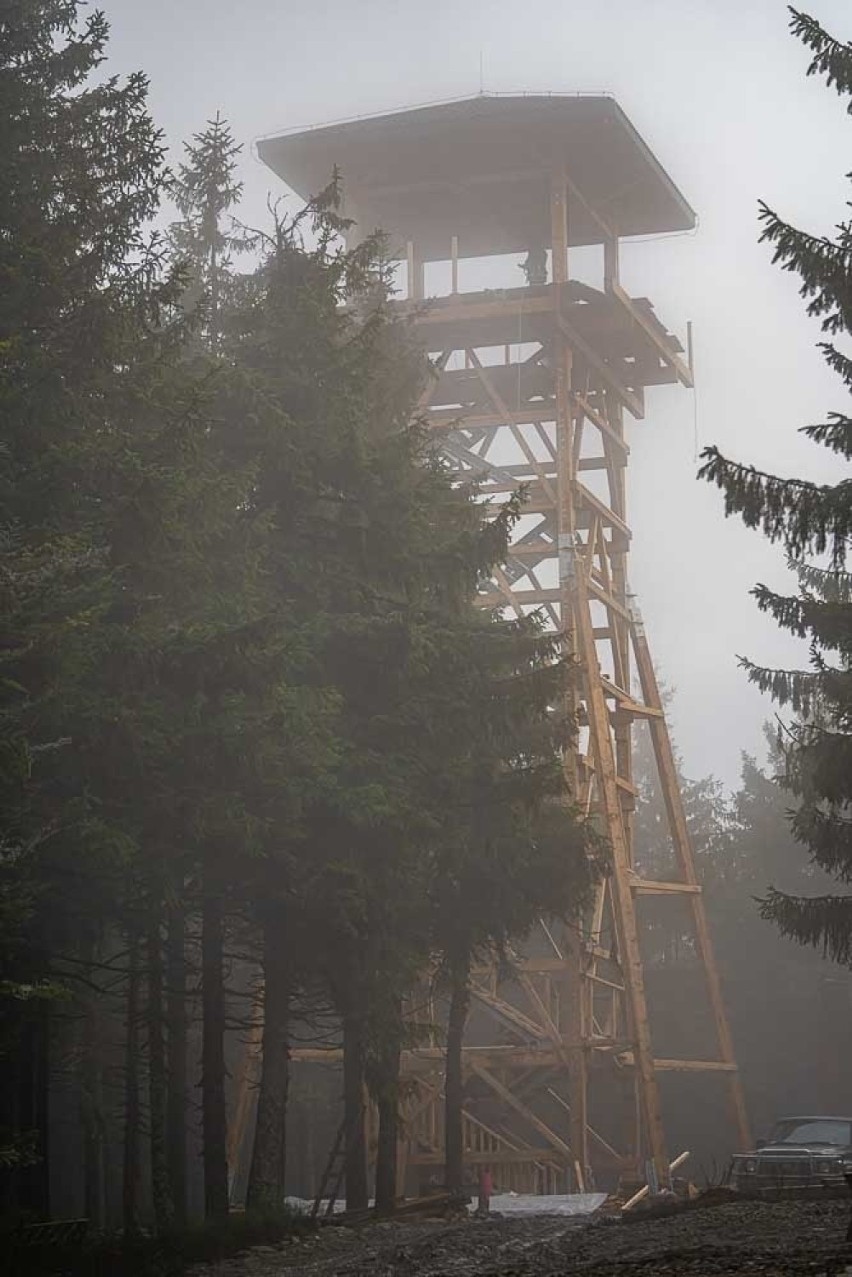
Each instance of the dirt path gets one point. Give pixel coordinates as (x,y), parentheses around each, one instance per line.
(777,1239)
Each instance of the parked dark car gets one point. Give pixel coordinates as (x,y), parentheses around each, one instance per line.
(801,1152)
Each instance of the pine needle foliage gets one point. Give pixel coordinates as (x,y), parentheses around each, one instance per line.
(810,519)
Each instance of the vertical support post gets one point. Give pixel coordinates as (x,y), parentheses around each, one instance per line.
(454,264)
(575,1031)
(575,1026)
(559,227)
(690,352)
(622,895)
(610,262)
(415,273)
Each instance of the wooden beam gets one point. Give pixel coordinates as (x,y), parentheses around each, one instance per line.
(457,419)
(629,398)
(491,598)
(506,1012)
(604,512)
(521,1109)
(489,1157)
(682,371)
(538,467)
(648,887)
(682,1066)
(601,595)
(457,310)
(623,904)
(602,424)
(627,704)
(559,227)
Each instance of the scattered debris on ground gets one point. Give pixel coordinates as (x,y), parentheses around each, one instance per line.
(752,1238)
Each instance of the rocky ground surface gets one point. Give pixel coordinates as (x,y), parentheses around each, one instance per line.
(761,1238)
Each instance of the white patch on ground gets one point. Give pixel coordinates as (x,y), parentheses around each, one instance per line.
(544,1203)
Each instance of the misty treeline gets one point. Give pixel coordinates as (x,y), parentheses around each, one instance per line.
(262,760)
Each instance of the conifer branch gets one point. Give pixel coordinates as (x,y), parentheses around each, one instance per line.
(832,59)
(823,264)
(827,833)
(836,434)
(808,518)
(821,922)
(800,689)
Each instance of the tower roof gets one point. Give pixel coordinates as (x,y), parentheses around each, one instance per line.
(479,168)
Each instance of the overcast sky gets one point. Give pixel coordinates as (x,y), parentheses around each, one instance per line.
(717,89)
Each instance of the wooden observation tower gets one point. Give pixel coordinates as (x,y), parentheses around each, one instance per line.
(532,386)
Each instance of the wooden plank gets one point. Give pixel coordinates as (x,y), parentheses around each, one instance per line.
(604,512)
(624,911)
(602,424)
(506,1012)
(669,356)
(601,595)
(628,704)
(648,887)
(521,1109)
(433,314)
(599,1139)
(629,398)
(682,1066)
(559,227)
(695,1066)
(457,419)
(491,598)
(488,1157)
(533,549)
(537,466)
(643,1192)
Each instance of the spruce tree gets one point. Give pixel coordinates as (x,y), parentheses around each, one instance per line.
(81,174)
(813,523)
(205,190)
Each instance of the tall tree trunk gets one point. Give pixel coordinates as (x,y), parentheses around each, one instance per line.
(130,1178)
(387,1099)
(266,1176)
(157,1086)
(213,1114)
(454,1085)
(92,1106)
(357,1192)
(91,1112)
(176,1026)
(33,1192)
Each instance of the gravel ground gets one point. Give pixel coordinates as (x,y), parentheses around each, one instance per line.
(769,1239)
